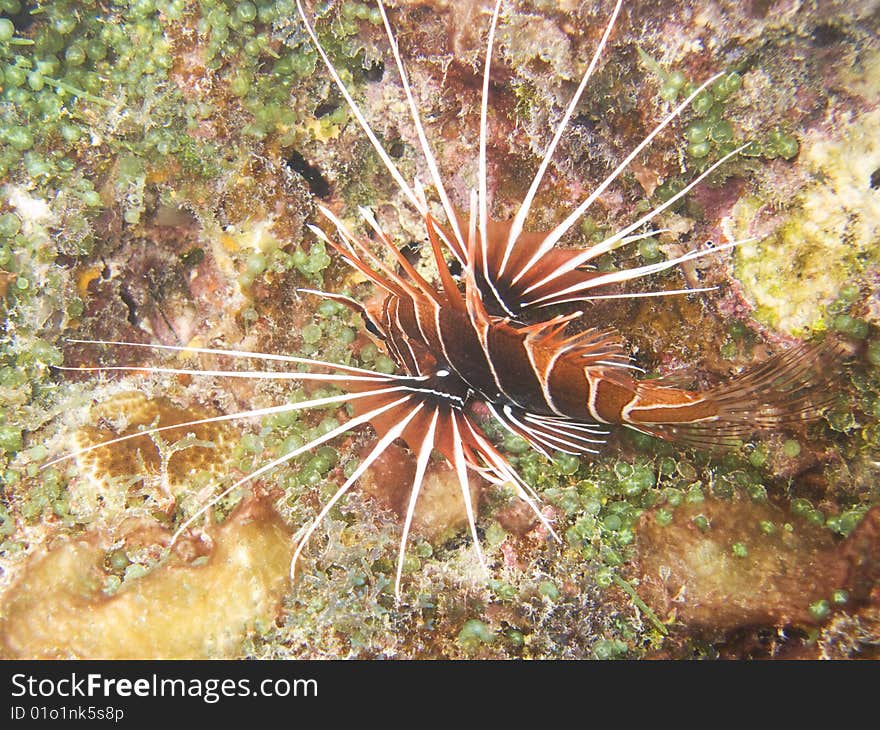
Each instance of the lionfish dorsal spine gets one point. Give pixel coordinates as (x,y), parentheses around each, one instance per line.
(482,163)
(356,111)
(556,234)
(522,212)
(430,159)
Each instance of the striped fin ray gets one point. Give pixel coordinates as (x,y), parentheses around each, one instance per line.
(240,354)
(521,269)
(424,425)
(560,292)
(240,415)
(416,288)
(496,290)
(477,312)
(437,238)
(401,412)
(548,285)
(284,458)
(553,237)
(423,455)
(516,227)
(502,472)
(591,346)
(359,115)
(545,328)
(423,286)
(356,262)
(385,399)
(547,434)
(379,273)
(511,298)
(358,382)
(452,439)
(453,295)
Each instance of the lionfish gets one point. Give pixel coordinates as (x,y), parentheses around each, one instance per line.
(476,342)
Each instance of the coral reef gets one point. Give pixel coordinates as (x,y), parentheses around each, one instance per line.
(158,162)
(823,234)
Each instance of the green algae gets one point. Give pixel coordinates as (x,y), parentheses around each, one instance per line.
(711,135)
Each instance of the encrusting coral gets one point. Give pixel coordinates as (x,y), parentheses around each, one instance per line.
(200,602)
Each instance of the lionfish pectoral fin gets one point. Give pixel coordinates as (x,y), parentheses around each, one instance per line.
(547,434)
(451,432)
(446,430)
(788,389)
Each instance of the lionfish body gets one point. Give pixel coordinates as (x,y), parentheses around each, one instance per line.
(553,388)
(480,341)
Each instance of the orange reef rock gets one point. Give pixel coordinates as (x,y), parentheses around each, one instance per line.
(724,565)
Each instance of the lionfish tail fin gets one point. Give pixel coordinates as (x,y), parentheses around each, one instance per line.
(788,389)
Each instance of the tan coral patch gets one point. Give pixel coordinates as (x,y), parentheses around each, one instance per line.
(179,610)
(143,455)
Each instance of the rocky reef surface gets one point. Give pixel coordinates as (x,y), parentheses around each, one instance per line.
(159,162)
